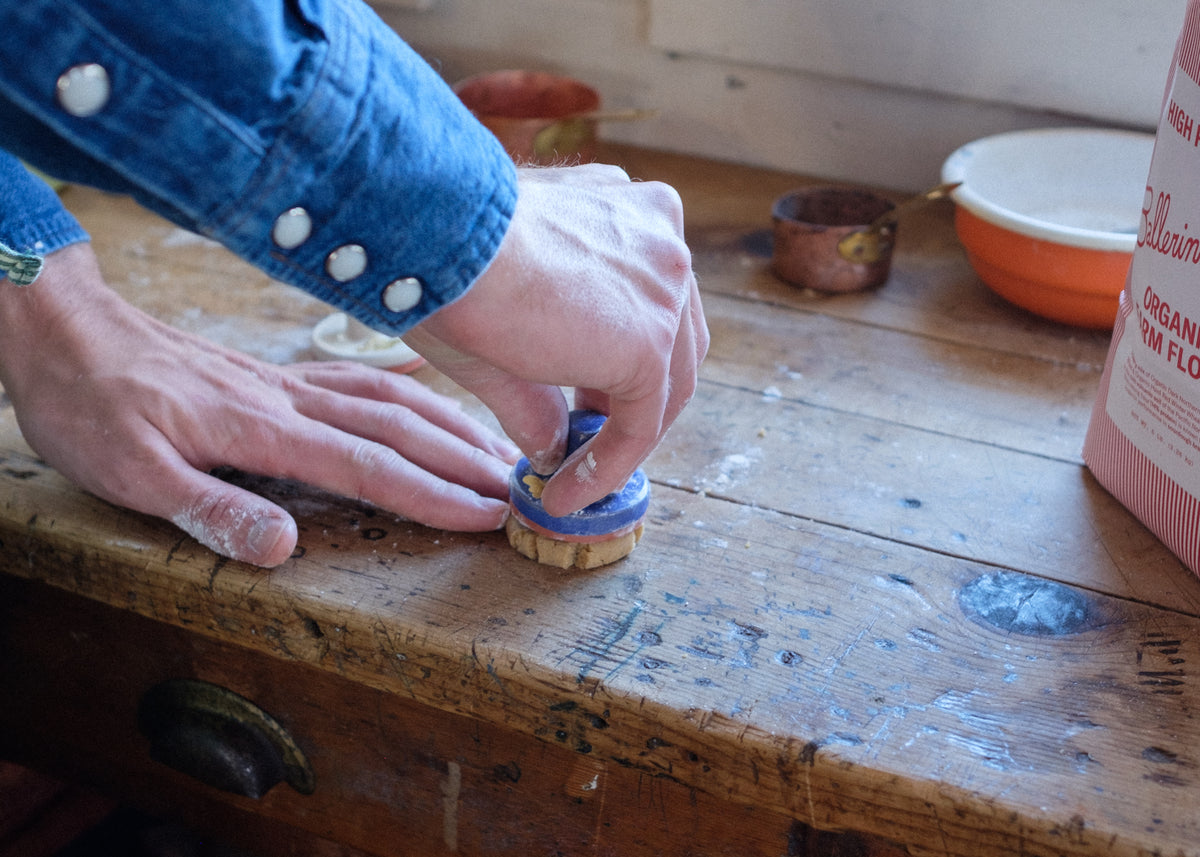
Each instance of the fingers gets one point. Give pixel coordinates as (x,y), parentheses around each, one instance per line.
(244,526)
(356,381)
(634,427)
(231,521)
(357,432)
(224,518)
(354,444)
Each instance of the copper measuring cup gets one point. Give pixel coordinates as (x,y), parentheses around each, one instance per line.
(810,222)
(540,118)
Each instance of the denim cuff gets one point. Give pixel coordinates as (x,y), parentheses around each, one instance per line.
(33,222)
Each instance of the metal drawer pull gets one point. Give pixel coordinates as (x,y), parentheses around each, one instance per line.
(221,739)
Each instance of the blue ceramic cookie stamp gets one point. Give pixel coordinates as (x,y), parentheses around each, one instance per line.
(597,535)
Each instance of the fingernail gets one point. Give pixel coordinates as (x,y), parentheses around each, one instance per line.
(545,463)
(264,537)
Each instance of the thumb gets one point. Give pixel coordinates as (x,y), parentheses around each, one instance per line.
(234,522)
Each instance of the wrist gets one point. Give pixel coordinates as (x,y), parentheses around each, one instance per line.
(33,317)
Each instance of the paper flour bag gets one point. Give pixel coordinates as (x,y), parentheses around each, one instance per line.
(1143,442)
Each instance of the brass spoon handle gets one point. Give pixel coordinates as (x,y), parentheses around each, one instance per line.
(930,195)
(870,244)
(632,114)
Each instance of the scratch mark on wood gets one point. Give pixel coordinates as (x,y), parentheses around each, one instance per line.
(597,650)
(451,788)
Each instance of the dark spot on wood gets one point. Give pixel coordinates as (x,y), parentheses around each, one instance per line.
(311,626)
(1024,604)
(597,721)
(910,503)
(900,578)
(700,653)
(508,773)
(1163,681)
(1160,756)
(655,743)
(789,658)
(760,242)
(583,747)
(747,632)
(847,738)
(804,841)
(647,638)
(653,664)
(808,753)
(374,534)
(564,706)
(561,735)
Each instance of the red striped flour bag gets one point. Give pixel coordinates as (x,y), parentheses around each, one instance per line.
(1143,442)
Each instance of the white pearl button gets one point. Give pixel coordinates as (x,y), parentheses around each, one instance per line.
(403,294)
(83,90)
(292,228)
(346,262)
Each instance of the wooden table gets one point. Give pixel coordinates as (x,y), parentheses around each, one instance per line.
(880,607)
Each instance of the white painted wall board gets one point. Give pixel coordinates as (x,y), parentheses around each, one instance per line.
(726,109)
(1098,58)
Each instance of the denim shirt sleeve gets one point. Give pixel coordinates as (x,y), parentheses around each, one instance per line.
(302,134)
(32,219)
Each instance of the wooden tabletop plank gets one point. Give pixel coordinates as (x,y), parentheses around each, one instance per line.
(878,590)
(967,391)
(971,404)
(849,681)
(947,494)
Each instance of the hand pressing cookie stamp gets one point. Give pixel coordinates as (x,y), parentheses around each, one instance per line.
(597,535)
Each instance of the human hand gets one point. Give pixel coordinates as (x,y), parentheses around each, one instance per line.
(593,289)
(138,413)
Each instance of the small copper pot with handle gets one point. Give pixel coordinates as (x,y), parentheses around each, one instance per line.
(837,239)
(540,118)
(809,223)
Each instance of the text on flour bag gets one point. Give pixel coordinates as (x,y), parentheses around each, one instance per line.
(1143,441)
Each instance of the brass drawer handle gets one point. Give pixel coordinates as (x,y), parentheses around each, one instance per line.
(221,739)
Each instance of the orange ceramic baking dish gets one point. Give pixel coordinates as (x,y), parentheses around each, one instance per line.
(1049,217)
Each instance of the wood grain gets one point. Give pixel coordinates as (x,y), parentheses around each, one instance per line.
(878,593)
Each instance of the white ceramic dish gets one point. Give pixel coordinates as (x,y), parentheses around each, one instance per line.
(1049,218)
(340,337)
(1078,186)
